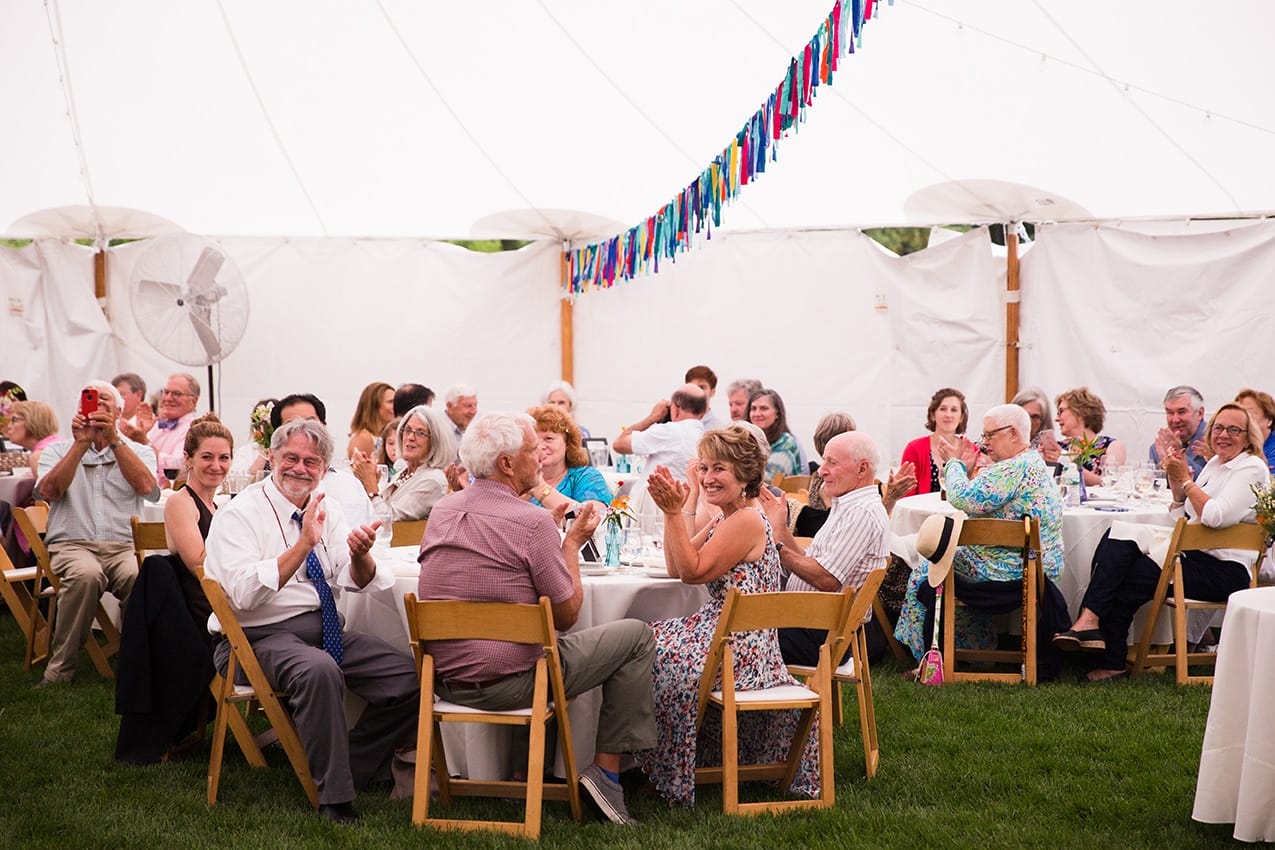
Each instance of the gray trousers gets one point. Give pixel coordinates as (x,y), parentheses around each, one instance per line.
(616,656)
(293,660)
(85,569)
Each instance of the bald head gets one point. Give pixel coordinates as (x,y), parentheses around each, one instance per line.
(689,402)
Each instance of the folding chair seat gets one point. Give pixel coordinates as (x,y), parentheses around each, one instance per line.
(855,670)
(1169,591)
(235,704)
(408,532)
(434,620)
(753,612)
(33,521)
(1023,535)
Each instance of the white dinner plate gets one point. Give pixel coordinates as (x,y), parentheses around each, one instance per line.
(660,571)
(590,568)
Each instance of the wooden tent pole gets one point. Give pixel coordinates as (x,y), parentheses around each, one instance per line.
(99,273)
(566,325)
(1011,311)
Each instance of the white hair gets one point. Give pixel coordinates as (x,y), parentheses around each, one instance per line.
(442,440)
(560,387)
(491,435)
(859,446)
(458,391)
(1011,415)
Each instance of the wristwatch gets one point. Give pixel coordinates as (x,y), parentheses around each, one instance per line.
(540,497)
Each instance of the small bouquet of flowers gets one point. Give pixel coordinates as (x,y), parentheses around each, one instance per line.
(6,408)
(1265,507)
(617,513)
(262,430)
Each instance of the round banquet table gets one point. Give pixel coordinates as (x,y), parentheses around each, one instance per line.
(1236,782)
(16,490)
(482,751)
(1082,528)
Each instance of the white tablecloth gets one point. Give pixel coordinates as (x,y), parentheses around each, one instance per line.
(1236,783)
(1082,528)
(621,483)
(482,751)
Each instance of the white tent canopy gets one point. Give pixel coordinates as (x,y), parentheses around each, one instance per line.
(399,118)
(329,142)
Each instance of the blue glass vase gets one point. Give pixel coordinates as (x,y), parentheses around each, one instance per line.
(612,540)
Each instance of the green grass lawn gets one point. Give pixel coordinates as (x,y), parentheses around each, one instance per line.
(1064,765)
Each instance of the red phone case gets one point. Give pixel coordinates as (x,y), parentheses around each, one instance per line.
(88,402)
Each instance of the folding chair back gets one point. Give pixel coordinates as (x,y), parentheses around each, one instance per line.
(1023,535)
(231,698)
(794,483)
(147,537)
(1169,591)
(408,532)
(34,521)
(753,612)
(436,620)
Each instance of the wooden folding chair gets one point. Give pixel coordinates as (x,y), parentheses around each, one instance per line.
(232,699)
(855,670)
(752,612)
(408,532)
(434,620)
(1169,591)
(33,521)
(147,537)
(1023,535)
(18,592)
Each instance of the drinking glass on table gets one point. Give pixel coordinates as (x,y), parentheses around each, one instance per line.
(171,464)
(1144,480)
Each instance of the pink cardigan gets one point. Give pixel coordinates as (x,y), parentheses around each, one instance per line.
(918,451)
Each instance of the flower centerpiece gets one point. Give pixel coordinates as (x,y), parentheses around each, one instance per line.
(262,430)
(7,400)
(1081,452)
(1264,507)
(614,518)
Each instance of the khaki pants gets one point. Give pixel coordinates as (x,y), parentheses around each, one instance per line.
(86,570)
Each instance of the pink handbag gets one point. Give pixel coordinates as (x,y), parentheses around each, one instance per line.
(931,670)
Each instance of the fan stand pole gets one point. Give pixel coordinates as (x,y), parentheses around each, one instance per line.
(211,390)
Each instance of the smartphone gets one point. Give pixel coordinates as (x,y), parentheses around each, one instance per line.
(589,551)
(88,402)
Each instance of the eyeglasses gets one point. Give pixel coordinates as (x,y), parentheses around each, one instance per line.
(416,432)
(313,464)
(1233,430)
(174,393)
(983,438)
(17,417)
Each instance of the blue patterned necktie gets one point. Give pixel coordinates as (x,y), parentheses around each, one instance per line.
(327,604)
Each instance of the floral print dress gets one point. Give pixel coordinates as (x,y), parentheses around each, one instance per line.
(1008,489)
(681,650)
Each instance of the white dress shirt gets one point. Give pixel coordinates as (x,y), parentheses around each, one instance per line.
(244,544)
(853,541)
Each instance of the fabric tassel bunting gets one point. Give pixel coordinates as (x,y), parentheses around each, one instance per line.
(698,207)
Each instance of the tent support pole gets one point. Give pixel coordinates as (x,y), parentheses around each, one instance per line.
(566,326)
(1011,311)
(99,273)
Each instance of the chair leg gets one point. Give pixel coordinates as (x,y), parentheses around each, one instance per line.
(730,736)
(883,620)
(1180,648)
(867,715)
(1140,661)
(536,755)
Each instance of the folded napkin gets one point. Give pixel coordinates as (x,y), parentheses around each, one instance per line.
(1153,540)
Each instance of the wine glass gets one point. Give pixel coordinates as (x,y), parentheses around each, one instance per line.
(384,534)
(1144,480)
(171,466)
